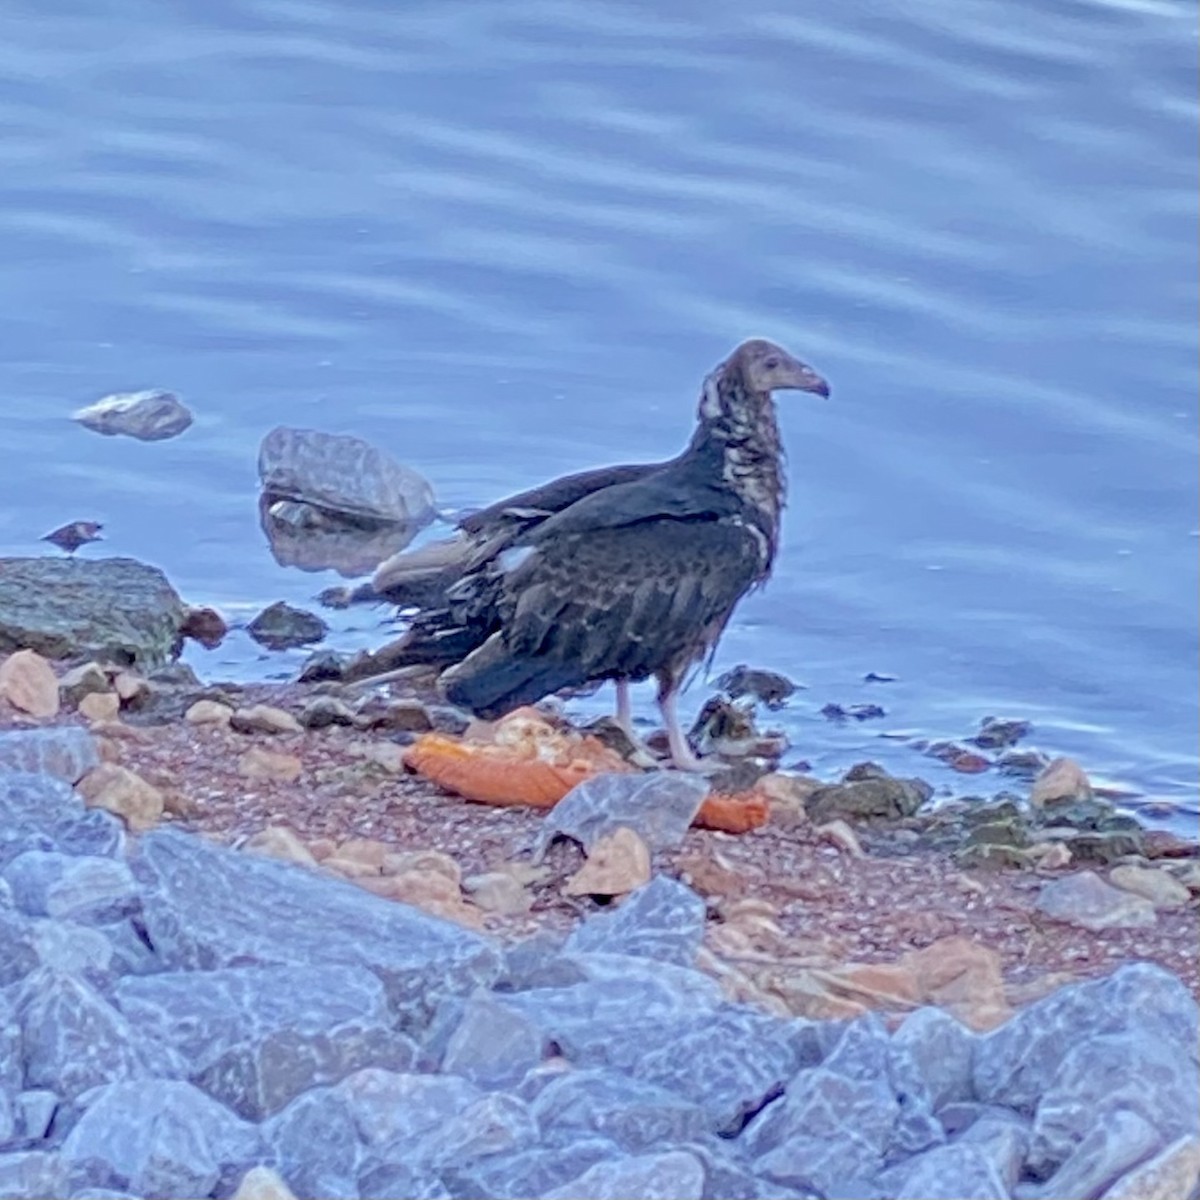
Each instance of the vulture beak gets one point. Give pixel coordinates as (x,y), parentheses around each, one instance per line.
(810,381)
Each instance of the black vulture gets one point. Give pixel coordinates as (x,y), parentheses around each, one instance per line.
(619,573)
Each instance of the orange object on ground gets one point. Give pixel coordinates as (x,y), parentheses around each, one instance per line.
(733,814)
(528,761)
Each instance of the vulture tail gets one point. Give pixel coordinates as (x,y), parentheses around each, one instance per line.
(491,682)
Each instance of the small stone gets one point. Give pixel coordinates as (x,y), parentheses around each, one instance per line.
(279,841)
(430,891)
(866,792)
(204,625)
(322,666)
(260,763)
(769,687)
(264,718)
(618,863)
(80,681)
(322,711)
(1173,1173)
(150,416)
(262,1183)
(842,836)
(404,716)
(1153,884)
(100,706)
(208,712)
(120,790)
(28,683)
(1051,856)
(1087,901)
(131,688)
(498,892)
(999,733)
(388,756)
(1063,781)
(397,862)
(351,868)
(281,626)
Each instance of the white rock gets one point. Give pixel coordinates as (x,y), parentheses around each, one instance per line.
(149,416)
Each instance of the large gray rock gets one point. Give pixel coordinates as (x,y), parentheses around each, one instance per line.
(32,809)
(828,1131)
(1132,1072)
(729,1062)
(157,1138)
(943,1051)
(636,1116)
(675,1175)
(75,1040)
(11,1071)
(8,1119)
(379,1181)
(314,1145)
(1015,1064)
(664,921)
(18,954)
(342,474)
(66,752)
(494,1124)
(114,609)
(71,887)
(73,949)
(493,1045)
(256,1037)
(207,907)
(957,1172)
(866,1052)
(659,807)
(532,1172)
(32,1175)
(390,1108)
(1173,1173)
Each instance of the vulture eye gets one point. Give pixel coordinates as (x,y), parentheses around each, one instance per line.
(771,363)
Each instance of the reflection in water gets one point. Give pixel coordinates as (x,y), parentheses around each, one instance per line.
(316,539)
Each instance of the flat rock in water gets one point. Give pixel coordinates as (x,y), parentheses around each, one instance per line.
(663,920)
(150,416)
(658,807)
(281,626)
(208,907)
(110,609)
(1084,899)
(342,474)
(157,1137)
(256,1037)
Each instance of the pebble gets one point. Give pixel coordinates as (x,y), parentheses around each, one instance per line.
(208,712)
(28,683)
(1084,899)
(617,863)
(322,711)
(264,718)
(260,763)
(100,706)
(79,681)
(122,791)
(1154,884)
(279,841)
(1063,780)
(498,892)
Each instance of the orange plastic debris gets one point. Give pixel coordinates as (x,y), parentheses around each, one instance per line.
(504,775)
(734,814)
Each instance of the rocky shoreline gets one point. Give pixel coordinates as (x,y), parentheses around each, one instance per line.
(236,909)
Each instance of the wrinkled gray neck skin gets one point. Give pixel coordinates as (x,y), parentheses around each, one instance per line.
(738,435)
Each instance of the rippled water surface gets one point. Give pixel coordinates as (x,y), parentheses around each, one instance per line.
(507,241)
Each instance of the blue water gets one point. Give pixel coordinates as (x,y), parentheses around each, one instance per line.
(508,240)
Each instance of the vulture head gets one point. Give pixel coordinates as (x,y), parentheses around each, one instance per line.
(765,367)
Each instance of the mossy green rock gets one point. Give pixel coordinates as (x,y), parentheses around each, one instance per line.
(109,609)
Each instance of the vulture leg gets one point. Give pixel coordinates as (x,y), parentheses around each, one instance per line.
(625,710)
(681,753)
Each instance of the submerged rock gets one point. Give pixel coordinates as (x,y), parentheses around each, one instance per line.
(342,474)
(768,687)
(281,626)
(111,609)
(149,416)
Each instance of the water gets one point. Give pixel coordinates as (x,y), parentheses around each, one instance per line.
(507,241)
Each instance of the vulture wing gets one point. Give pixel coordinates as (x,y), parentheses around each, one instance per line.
(633,580)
